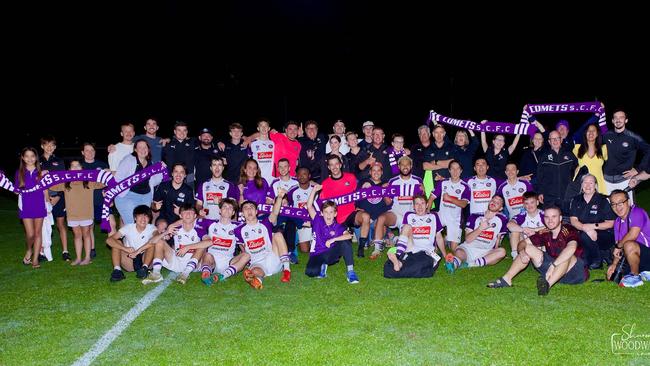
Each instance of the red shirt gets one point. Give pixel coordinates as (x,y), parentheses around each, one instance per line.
(555,246)
(285,148)
(347,183)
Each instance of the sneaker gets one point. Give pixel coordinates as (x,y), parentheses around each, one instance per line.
(293,258)
(93,253)
(645,275)
(66,256)
(142,272)
(323,271)
(543,287)
(218,277)
(631,280)
(252,280)
(117,275)
(206,277)
(182,278)
(352,277)
(42,258)
(153,277)
(463,265)
(286,276)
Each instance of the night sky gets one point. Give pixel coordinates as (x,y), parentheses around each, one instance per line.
(79,72)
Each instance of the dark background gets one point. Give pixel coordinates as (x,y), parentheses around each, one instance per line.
(78,71)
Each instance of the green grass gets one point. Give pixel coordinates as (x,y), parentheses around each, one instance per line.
(54,315)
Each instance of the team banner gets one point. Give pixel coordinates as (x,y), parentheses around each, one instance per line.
(596,108)
(524,128)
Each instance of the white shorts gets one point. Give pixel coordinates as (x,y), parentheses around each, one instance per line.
(399,218)
(270,264)
(609,187)
(473,252)
(452,224)
(73,223)
(221,262)
(178,264)
(304,234)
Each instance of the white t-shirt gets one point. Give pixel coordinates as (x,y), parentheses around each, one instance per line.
(114,158)
(133,238)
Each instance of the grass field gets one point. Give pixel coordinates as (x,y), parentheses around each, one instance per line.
(54,315)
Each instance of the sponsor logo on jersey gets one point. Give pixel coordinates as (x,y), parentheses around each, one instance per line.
(487,235)
(255,243)
(516,201)
(482,194)
(422,230)
(220,242)
(301,204)
(447,200)
(213,197)
(405,199)
(264,155)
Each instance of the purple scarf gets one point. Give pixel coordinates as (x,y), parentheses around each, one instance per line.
(586,107)
(64,176)
(393,158)
(524,128)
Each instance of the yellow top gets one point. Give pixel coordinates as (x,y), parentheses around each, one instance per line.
(595,166)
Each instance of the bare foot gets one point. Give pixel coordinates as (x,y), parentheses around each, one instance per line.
(85,262)
(76,262)
(397,265)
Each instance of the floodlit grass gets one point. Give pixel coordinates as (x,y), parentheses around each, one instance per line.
(54,315)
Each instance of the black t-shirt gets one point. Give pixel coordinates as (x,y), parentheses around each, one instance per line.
(95,165)
(597,210)
(166,193)
(143,187)
(235,156)
(497,162)
(373,206)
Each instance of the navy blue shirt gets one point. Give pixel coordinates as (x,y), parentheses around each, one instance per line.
(597,210)
(497,162)
(445,152)
(170,196)
(235,156)
(373,206)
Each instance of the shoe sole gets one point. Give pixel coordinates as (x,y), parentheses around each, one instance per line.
(631,286)
(146,282)
(542,286)
(352,282)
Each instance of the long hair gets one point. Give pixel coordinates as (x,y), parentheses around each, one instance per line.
(21,167)
(243,179)
(135,153)
(584,147)
(67,184)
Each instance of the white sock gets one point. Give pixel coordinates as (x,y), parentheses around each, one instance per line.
(117,268)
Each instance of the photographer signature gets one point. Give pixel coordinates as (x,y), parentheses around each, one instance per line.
(628,333)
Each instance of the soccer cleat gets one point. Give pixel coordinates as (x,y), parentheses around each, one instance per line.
(645,275)
(252,280)
(93,253)
(152,278)
(117,275)
(66,256)
(142,272)
(352,277)
(206,277)
(218,277)
(375,254)
(631,280)
(286,276)
(463,265)
(543,287)
(182,278)
(449,263)
(323,271)
(293,258)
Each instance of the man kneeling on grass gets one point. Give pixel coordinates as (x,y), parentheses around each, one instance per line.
(267,250)
(555,254)
(330,241)
(186,231)
(423,230)
(132,253)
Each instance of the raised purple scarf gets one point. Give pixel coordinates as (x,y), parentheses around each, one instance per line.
(524,128)
(393,158)
(64,176)
(586,107)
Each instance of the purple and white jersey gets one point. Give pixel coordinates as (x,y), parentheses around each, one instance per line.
(530,221)
(321,233)
(513,195)
(425,228)
(223,239)
(256,239)
(279,184)
(403,204)
(184,237)
(488,237)
(297,196)
(459,190)
(482,191)
(262,151)
(212,192)
(637,217)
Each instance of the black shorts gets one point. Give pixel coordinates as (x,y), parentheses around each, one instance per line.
(137,261)
(577,274)
(332,256)
(349,221)
(644,263)
(58,210)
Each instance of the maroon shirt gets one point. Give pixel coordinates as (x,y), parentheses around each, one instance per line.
(555,246)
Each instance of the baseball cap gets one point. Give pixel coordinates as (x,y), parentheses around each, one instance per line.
(368,123)
(205,130)
(562,122)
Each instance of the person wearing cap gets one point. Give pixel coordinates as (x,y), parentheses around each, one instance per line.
(367,134)
(203,155)
(181,150)
(339,130)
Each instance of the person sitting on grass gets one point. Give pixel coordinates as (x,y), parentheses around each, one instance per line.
(268,250)
(181,259)
(483,234)
(560,259)
(220,242)
(423,230)
(133,252)
(330,241)
(632,237)
(526,223)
